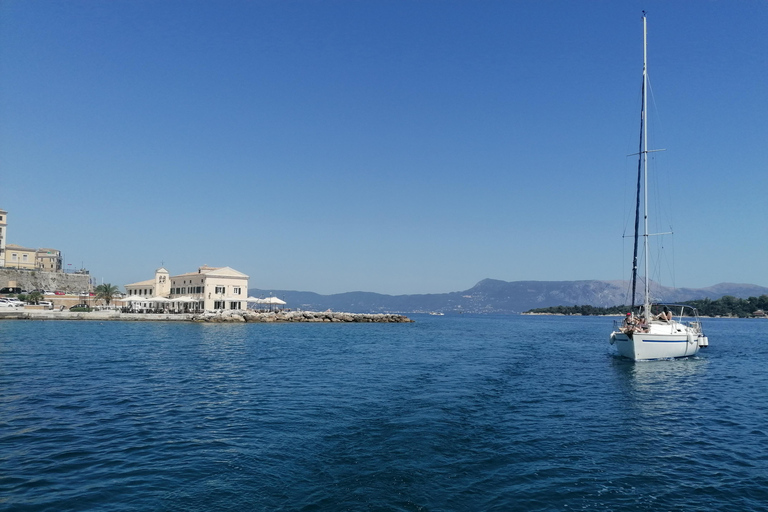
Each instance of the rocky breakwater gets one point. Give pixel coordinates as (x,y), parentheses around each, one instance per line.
(298,316)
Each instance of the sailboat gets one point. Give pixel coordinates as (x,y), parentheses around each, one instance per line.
(655,331)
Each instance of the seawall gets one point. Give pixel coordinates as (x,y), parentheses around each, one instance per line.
(220,317)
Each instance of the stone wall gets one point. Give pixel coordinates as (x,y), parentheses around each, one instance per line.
(28,313)
(38,280)
(297,316)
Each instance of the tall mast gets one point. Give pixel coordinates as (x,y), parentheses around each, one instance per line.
(637,201)
(646,303)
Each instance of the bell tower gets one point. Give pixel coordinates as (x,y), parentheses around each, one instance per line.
(162,282)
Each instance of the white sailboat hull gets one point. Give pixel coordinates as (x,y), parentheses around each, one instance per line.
(663,342)
(642,347)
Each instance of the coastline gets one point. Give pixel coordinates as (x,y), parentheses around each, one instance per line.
(620,315)
(229,316)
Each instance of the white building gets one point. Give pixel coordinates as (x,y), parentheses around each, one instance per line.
(16,256)
(209,288)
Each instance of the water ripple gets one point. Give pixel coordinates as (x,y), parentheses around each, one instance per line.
(467,413)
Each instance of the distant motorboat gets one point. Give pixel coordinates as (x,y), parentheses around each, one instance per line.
(675,330)
(436,313)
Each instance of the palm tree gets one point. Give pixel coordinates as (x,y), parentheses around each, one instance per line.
(106,292)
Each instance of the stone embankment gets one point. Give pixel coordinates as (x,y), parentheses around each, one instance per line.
(299,316)
(218,317)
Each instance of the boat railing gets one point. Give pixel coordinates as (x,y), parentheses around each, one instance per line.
(695,326)
(681,313)
(686,315)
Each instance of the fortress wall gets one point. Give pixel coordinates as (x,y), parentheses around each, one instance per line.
(36,279)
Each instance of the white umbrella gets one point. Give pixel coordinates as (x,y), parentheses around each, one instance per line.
(158,299)
(183,300)
(133,298)
(255,300)
(273,301)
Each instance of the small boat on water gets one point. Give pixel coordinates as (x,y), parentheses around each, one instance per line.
(671,330)
(673,333)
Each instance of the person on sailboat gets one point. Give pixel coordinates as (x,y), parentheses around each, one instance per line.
(665,315)
(634,324)
(628,323)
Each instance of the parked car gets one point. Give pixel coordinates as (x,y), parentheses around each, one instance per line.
(80,306)
(11,303)
(11,289)
(57,292)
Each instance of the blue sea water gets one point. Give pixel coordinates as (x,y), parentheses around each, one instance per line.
(449,413)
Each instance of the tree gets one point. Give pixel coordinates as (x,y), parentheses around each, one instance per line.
(106,292)
(35,297)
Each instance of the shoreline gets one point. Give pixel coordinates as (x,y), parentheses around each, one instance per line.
(620,315)
(229,316)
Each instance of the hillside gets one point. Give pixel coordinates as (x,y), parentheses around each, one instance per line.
(494,296)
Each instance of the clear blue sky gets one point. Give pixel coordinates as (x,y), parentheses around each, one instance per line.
(386,146)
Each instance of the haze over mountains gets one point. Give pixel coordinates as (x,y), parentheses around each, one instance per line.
(494,296)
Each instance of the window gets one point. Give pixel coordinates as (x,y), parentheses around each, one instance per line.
(236,291)
(24,257)
(219,304)
(219,289)
(234,305)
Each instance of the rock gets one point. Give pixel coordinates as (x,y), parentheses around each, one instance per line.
(313,316)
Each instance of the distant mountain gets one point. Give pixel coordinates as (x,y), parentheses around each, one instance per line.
(494,296)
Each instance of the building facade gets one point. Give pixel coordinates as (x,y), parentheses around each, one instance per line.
(24,258)
(159,286)
(208,289)
(20,257)
(48,260)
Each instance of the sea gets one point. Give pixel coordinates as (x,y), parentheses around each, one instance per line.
(449,413)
